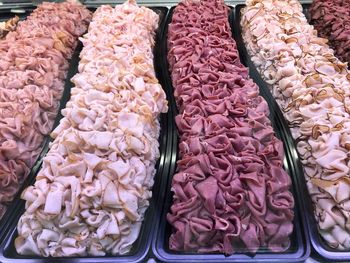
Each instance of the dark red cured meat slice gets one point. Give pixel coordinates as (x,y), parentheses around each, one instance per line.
(230,190)
(331,18)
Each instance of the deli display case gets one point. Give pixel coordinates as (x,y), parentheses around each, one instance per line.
(176,131)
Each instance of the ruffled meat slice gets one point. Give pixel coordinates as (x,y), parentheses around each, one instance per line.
(8,26)
(336,28)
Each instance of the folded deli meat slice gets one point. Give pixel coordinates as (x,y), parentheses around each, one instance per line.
(91,194)
(231,193)
(33,68)
(332,21)
(312,88)
(8,26)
